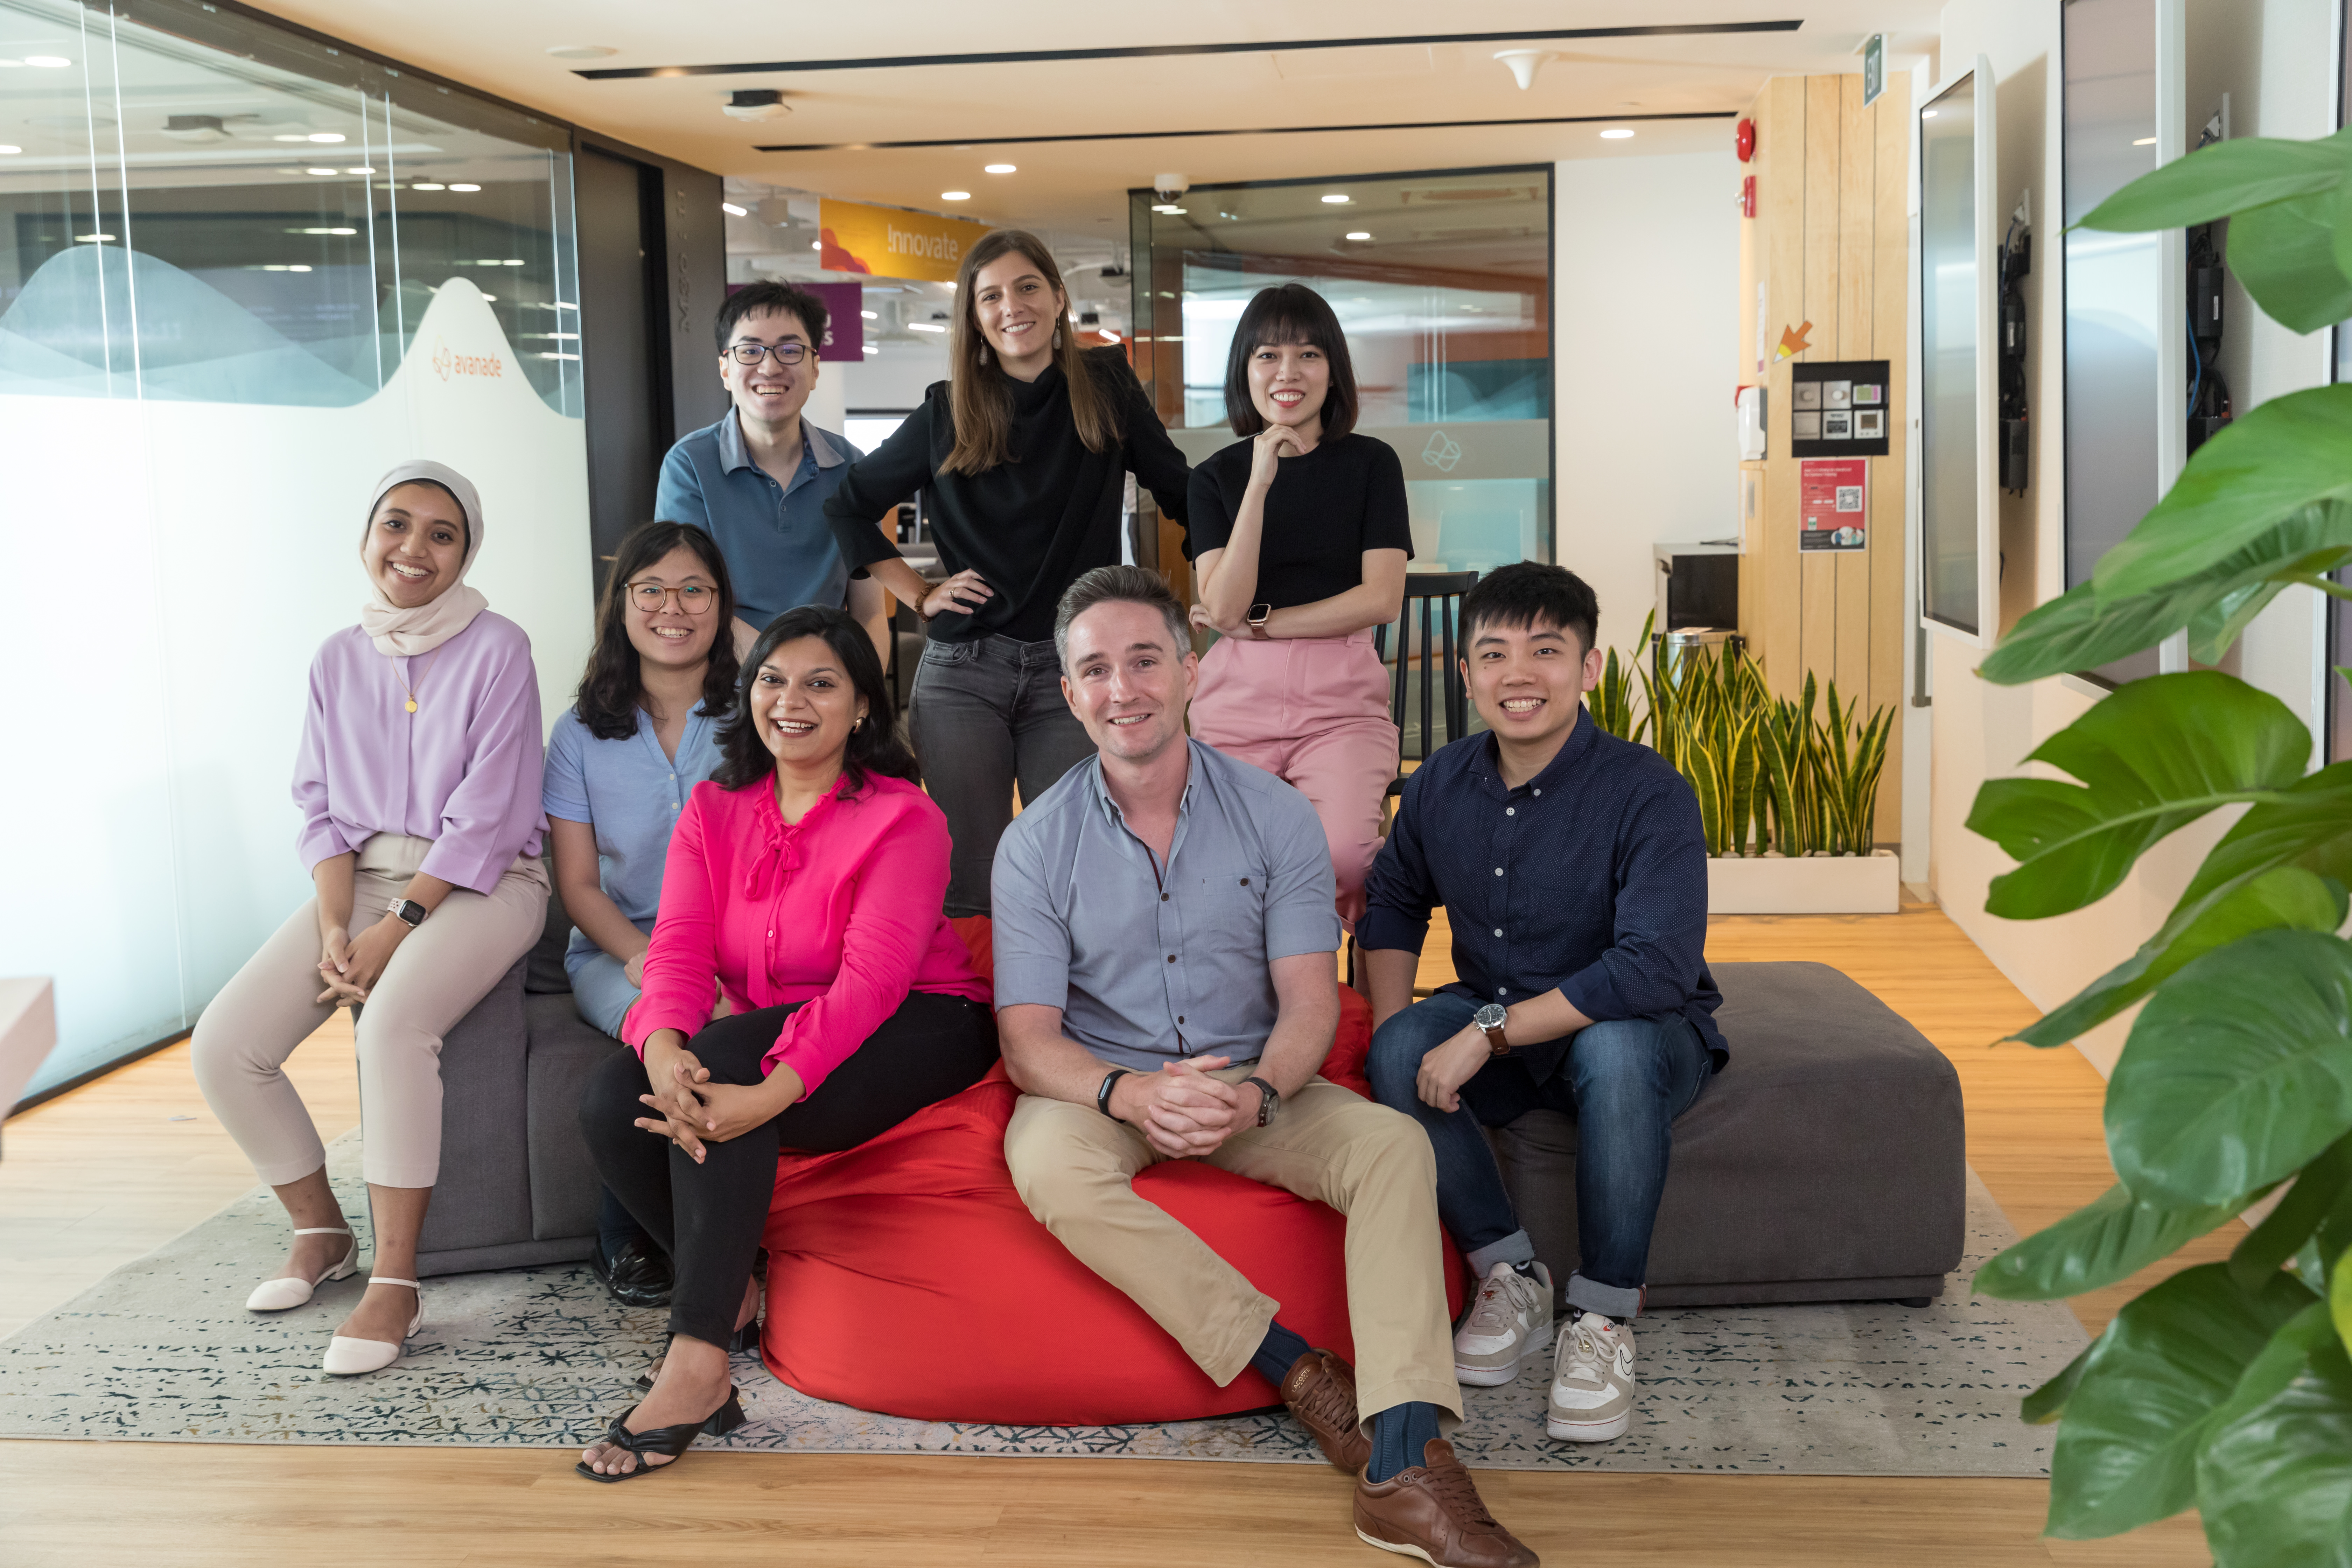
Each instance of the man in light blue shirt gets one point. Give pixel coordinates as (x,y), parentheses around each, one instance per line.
(757,480)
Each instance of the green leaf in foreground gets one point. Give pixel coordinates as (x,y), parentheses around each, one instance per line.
(2274,1483)
(2289,897)
(2238,1071)
(2287,255)
(2048,1403)
(2153,757)
(2323,1186)
(2260,469)
(2149,1390)
(2224,178)
(2109,1239)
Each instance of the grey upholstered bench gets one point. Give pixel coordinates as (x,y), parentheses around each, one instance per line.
(1825,1162)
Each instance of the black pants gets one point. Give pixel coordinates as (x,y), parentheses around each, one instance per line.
(709,1217)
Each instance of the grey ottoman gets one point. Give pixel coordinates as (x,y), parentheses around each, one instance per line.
(1825,1162)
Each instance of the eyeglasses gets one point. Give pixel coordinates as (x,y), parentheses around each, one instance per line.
(751,353)
(695,598)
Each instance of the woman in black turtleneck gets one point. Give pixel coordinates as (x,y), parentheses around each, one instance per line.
(1024,448)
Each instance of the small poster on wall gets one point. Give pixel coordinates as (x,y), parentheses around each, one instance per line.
(1834,503)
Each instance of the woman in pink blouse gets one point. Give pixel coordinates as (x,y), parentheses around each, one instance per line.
(806,879)
(418,781)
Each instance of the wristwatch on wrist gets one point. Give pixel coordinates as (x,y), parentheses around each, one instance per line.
(1258,617)
(1269,1102)
(1489,1021)
(1102,1094)
(410,913)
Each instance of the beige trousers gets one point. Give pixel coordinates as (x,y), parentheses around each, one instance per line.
(1074,1168)
(441,969)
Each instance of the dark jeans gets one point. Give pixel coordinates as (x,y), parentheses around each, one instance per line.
(1624,1082)
(709,1217)
(987,714)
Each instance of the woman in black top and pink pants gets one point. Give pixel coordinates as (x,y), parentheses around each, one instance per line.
(1301,537)
(1025,450)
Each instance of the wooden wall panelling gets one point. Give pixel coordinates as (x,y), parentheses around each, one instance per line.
(1889,535)
(1781,227)
(1857,329)
(1818,573)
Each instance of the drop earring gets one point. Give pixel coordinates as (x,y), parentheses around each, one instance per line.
(1057,340)
(983,353)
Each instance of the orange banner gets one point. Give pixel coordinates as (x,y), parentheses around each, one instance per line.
(884,242)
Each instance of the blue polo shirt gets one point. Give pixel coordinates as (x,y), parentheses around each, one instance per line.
(778,547)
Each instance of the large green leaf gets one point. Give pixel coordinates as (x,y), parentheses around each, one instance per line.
(2289,897)
(2324,1185)
(2286,254)
(2274,1482)
(2238,1071)
(2224,178)
(2048,1403)
(2257,471)
(2111,1239)
(2153,757)
(2126,1452)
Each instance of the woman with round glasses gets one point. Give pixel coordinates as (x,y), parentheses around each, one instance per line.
(1024,451)
(621,761)
(418,781)
(757,480)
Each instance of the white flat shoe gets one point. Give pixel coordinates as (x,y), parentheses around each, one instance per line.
(349,1357)
(277,1294)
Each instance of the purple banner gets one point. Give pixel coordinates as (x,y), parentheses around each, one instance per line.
(845,333)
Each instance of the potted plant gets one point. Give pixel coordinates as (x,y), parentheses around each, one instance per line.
(2228,1386)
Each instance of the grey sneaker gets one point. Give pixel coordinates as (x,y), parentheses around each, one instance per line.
(1592,1381)
(1510,1319)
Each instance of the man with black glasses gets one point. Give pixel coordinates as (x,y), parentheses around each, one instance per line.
(757,480)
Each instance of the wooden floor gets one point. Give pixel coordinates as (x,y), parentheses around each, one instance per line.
(96,1177)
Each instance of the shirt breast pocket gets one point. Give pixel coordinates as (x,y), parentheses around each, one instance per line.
(1228,914)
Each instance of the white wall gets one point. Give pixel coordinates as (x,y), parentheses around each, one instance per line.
(2273,57)
(1646,288)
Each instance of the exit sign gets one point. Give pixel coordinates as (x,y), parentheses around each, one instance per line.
(1873,68)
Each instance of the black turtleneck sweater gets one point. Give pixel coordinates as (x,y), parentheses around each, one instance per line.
(1032,524)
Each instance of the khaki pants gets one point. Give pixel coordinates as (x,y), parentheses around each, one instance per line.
(1074,1168)
(441,969)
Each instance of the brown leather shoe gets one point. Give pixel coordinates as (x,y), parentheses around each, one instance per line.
(1321,1390)
(1432,1512)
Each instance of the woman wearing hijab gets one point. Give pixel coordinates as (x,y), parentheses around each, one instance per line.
(418,781)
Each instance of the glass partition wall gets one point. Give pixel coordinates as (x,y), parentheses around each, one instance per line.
(242,273)
(1443,283)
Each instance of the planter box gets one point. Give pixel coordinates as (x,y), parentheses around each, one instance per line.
(1814,885)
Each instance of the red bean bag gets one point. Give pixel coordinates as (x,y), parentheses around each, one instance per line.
(906,1276)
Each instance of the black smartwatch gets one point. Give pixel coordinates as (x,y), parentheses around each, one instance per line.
(410,913)
(1269,1103)
(1102,1094)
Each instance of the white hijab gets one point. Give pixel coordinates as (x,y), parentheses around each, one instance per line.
(400,633)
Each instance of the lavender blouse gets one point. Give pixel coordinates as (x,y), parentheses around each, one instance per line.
(462,770)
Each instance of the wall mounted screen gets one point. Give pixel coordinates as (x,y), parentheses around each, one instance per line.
(1951,278)
(2113,290)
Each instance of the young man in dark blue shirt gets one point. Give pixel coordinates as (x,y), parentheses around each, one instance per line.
(1572,866)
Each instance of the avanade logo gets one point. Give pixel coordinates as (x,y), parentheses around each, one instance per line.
(447,365)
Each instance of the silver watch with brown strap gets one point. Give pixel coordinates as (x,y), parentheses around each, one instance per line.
(1489,1021)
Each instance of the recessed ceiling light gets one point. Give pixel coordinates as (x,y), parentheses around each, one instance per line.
(319,171)
(1360,234)
(54,63)
(1615,134)
(816,245)
(955,196)
(1000,169)
(322,231)
(731,210)
(871,349)
(362,170)
(925,326)
(324,136)
(292,136)
(2143,142)
(464,188)
(582,51)
(427,185)
(8,152)
(1335,199)
(1168,207)
(512,261)
(869,315)
(92,238)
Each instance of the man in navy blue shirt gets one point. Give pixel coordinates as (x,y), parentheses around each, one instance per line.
(1572,866)
(757,480)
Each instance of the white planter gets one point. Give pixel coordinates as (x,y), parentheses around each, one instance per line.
(1813,885)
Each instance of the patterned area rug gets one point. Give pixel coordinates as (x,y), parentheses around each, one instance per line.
(162,1350)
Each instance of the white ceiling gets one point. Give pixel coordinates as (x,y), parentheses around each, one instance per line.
(502,48)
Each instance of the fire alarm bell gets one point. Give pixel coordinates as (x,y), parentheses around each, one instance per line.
(1744,138)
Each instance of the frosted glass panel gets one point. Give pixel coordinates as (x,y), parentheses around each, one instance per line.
(1948,361)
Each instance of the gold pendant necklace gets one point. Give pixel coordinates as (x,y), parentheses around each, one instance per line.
(420,680)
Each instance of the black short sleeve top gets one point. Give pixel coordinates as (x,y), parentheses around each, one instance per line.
(1322,512)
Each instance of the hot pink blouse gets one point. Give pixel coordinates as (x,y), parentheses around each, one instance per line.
(840,910)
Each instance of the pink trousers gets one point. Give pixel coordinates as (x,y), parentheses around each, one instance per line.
(1314,712)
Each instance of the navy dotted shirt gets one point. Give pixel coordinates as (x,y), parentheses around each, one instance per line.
(1589,879)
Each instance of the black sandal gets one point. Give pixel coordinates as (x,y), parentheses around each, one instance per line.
(670,1441)
(747,1338)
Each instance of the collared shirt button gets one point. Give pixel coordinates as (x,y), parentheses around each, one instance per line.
(1498,870)
(1171,958)
(1538,792)
(1498,930)
(1163,898)
(1510,811)
(1502,990)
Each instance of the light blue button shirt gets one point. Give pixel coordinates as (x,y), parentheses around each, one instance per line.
(632,796)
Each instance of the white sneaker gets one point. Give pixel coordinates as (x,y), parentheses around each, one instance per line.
(1592,1381)
(1509,1320)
